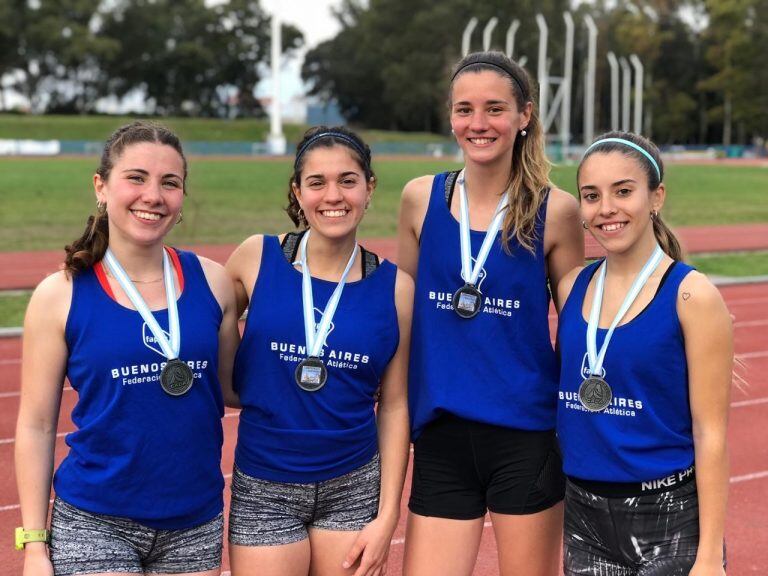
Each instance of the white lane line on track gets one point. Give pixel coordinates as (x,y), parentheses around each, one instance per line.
(747,477)
(16,393)
(62,434)
(752,402)
(748,355)
(750,323)
(737,404)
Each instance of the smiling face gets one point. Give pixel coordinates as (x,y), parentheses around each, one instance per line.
(485,116)
(616,203)
(333,191)
(143,193)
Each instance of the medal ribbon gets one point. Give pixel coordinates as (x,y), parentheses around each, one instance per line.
(316,337)
(469,273)
(170,348)
(595,358)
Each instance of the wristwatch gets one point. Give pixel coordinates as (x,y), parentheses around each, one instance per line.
(24,537)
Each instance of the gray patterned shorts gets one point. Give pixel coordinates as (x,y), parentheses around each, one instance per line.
(86,543)
(265,513)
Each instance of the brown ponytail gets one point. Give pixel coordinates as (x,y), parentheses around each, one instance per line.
(92,244)
(666,239)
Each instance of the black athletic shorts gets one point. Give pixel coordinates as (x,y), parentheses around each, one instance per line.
(646,535)
(462,468)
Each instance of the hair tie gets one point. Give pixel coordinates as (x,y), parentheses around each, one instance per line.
(631,144)
(331,134)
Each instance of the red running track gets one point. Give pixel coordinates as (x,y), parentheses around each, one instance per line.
(25,269)
(747,526)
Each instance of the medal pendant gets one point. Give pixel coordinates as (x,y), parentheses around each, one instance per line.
(595,394)
(467,301)
(311,374)
(176,378)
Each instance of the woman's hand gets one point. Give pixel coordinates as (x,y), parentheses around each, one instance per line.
(372,548)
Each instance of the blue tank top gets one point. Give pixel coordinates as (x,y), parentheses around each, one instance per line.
(646,431)
(137,452)
(499,367)
(287,434)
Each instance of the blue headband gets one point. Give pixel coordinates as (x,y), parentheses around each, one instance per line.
(640,149)
(338,136)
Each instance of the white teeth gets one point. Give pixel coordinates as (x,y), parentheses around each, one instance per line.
(481,140)
(334,213)
(612,227)
(146,215)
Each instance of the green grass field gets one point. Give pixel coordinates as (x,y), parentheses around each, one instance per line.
(45,201)
(98,128)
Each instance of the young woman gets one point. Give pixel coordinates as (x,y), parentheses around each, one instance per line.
(486,245)
(143,333)
(318,474)
(647,352)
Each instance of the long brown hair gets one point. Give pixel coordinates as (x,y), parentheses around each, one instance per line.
(91,246)
(664,236)
(529,172)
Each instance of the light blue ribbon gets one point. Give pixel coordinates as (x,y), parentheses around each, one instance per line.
(170,348)
(469,273)
(595,359)
(315,337)
(631,144)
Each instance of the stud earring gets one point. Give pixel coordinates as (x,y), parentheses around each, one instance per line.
(584,225)
(523,132)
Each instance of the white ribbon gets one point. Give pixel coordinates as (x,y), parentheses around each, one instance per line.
(170,348)
(315,337)
(595,358)
(469,273)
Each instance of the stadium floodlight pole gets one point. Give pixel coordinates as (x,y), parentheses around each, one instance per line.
(638,66)
(589,85)
(511,32)
(626,86)
(488,33)
(566,87)
(542,66)
(614,63)
(276,141)
(467,35)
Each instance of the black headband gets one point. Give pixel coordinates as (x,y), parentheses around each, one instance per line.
(331,134)
(492,65)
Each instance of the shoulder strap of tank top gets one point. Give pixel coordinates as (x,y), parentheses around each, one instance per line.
(290,245)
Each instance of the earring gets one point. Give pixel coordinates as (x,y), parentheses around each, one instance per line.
(367,205)
(300,215)
(453,131)
(523,132)
(654,214)
(180,219)
(101,207)
(584,225)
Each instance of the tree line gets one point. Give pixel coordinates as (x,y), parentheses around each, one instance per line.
(388,67)
(186,57)
(705,76)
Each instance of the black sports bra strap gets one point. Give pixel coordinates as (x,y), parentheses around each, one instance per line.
(290,245)
(450,184)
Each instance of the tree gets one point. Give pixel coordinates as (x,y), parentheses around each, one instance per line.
(388,66)
(187,57)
